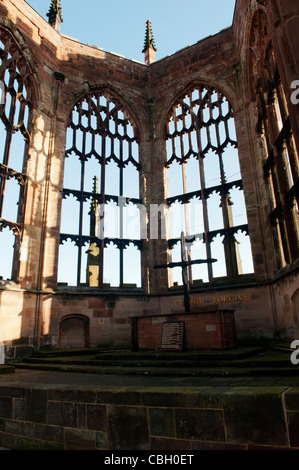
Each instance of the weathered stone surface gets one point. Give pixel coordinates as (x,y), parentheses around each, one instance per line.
(240,418)
(97,417)
(36,405)
(255,416)
(6,407)
(206,425)
(127,428)
(79,440)
(62,414)
(162,422)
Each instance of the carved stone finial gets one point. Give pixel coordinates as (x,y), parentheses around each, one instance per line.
(55,14)
(149,45)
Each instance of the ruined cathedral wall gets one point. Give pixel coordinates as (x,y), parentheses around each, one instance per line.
(282,23)
(32,310)
(19,298)
(62,70)
(209,62)
(215,62)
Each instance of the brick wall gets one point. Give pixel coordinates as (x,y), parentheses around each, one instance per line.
(205,330)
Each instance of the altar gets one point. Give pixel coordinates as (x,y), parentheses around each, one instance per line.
(207,329)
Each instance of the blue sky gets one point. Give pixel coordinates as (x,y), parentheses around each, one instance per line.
(119,26)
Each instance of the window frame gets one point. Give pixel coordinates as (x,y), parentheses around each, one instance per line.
(101,198)
(281,164)
(21,95)
(199,122)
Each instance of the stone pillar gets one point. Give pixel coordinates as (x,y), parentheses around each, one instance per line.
(153,155)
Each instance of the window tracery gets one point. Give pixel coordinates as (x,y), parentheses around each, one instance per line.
(203,173)
(281,164)
(15,121)
(101,187)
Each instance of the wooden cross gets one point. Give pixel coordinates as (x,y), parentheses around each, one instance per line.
(184,264)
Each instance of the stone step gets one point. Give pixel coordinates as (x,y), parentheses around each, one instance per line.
(6,369)
(233,371)
(128,355)
(238,362)
(259,361)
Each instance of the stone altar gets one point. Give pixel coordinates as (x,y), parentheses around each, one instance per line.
(210,328)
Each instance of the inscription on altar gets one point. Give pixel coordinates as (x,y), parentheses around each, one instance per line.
(172,336)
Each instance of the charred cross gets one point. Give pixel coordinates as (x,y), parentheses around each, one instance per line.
(184,264)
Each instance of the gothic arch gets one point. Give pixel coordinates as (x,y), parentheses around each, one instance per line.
(103,143)
(184,89)
(7,27)
(251,15)
(201,138)
(123,103)
(19,94)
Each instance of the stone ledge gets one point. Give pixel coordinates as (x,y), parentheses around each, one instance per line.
(6,369)
(122,418)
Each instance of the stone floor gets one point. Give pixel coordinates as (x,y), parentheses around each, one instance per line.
(259,376)
(47,379)
(242,367)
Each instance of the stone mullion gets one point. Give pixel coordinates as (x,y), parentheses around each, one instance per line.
(186,208)
(121,214)
(279,170)
(203,197)
(293,156)
(103,202)
(152,192)
(229,241)
(282,141)
(291,216)
(9,132)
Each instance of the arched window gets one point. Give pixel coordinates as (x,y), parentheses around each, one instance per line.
(100,223)
(205,186)
(281,165)
(15,115)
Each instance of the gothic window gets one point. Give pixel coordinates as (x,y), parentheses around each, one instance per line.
(281,168)
(205,187)
(15,106)
(100,223)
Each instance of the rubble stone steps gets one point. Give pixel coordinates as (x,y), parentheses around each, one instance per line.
(243,361)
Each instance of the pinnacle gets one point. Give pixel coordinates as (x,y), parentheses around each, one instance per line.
(149,41)
(94,202)
(55,9)
(95,184)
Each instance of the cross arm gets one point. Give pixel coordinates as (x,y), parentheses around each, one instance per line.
(183,264)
